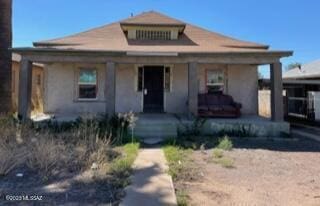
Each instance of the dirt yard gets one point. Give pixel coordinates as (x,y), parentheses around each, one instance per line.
(264,173)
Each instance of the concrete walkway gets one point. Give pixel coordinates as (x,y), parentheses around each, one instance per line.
(151,185)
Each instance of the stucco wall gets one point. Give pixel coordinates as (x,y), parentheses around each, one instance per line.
(61,89)
(241,82)
(127,98)
(243,87)
(176,99)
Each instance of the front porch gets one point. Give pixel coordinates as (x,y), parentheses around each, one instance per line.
(119,91)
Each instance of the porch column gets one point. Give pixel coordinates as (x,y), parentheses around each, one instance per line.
(110,88)
(193,88)
(276,92)
(25,88)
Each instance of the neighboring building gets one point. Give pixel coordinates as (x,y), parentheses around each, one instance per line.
(302,85)
(148,63)
(37,85)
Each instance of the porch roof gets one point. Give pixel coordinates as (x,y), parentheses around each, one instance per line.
(47,55)
(111,38)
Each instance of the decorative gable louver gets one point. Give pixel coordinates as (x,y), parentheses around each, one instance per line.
(153,35)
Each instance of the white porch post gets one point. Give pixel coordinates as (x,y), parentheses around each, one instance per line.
(193,88)
(110,88)
(25,89)
(276,92)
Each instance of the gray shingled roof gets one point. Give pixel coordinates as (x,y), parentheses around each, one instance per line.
(309,70)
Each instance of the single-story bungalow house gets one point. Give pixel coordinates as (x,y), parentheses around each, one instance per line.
(148,63)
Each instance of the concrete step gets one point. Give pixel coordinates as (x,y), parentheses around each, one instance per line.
(153,130)
(154,134)
(152,140)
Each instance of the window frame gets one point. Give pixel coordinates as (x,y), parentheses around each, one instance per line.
(222,85)
(170,67)
(79,84)
(163,35)
(136,79)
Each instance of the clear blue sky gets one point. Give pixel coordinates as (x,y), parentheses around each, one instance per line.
(282,24)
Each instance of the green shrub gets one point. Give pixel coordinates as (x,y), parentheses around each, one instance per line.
(217,153)
(225,143)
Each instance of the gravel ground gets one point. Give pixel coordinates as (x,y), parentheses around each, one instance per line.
(265,173)
(67,189)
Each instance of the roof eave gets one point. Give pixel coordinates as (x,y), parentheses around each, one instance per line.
(279,53)
(151,24)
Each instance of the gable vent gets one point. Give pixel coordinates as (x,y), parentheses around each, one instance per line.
(153,35)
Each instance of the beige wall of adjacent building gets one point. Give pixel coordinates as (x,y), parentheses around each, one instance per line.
(241,82)
(37,88)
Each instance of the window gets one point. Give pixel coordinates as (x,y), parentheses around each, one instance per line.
(87,84)
(167,79)
(153,35)
(215,81)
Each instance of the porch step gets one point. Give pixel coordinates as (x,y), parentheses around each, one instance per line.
(155,130)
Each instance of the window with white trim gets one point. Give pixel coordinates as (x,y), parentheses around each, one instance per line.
(215,81)
(87,84)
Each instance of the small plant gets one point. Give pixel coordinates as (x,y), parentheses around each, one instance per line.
(217,153)
(180,165)
(182,198)
(226,162)
(225,144)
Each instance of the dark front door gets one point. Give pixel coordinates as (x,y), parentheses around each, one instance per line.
(153,89)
